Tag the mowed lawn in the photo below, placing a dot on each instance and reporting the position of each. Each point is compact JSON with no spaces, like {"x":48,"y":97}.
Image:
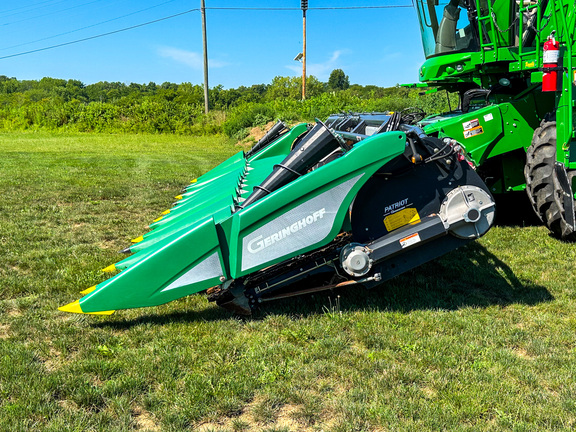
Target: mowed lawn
{"x":482,"y":339}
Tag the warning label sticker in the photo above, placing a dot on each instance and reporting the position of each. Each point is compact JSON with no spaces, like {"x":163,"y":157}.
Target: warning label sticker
{"x":410,"y":240}
{"x":401,"y":218}
{"x":471,"y":124}
{"x":551,"y":56}
{"x":473,"y":132}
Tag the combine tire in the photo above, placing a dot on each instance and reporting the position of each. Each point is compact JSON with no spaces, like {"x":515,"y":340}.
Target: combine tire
{"x":548,"y":189}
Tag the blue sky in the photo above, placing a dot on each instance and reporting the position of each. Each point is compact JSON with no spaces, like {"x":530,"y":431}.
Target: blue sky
{"x":373,"y":46}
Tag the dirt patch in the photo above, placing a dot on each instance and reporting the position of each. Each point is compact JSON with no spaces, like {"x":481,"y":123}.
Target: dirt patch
{"x":429,"y":393}
{"x":4,"y":331}
{"x":522,"y":353}
{"x":14,"y":313}
{"x":68,"y":405}
{"x":112,"y":244}
{"x":144,"y":420}
{"x":53,"y":361}
{"x":255,"y":135}
{"x":96,"y":381}
{"x":19,"y":270}
{"x":258,"y":132}
{"x":285,"y":420}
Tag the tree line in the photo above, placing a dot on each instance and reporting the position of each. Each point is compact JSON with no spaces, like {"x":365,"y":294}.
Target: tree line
{"x":58,"y":104}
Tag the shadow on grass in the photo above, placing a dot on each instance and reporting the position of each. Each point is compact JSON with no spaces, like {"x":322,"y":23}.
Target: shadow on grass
{"x":211,"y":313}
{"x":513,"y":209}
{"x":468,"y":277}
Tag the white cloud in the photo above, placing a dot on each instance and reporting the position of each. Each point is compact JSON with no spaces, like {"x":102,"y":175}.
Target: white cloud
{"x":191,"y":59}
{"x":320,"y":70}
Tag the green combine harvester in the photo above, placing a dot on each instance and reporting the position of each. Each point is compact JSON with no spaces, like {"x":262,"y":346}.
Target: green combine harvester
{"x":364,"y":197}
{"x":512,"y":63}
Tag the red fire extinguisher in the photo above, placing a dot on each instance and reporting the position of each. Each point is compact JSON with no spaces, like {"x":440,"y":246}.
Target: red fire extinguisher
{"x":551,"y":58}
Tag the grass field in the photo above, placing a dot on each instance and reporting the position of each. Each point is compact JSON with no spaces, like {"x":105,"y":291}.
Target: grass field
{"x":483,"y":339}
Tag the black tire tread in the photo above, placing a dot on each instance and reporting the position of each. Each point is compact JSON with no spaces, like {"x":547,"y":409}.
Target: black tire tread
{"x":539,"y":172}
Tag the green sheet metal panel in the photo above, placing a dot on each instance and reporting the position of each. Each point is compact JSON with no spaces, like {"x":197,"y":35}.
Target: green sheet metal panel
{"x":312,"y":207}
{"x":188,"y":264}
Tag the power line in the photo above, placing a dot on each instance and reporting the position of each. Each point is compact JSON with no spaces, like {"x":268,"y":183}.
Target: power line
{"x":50,"y":13}
{"x":310,"y":8}
{"x":86,"y":27}
{"x":29,"y":7}
{"x":180,"y":14}
{"x":99,"y":35}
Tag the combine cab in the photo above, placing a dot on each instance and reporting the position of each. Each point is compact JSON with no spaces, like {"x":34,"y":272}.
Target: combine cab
{"x":357,"y":200}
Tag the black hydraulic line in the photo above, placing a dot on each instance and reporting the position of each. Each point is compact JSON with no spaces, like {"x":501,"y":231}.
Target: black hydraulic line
{"x":413,"y":129}
{"x":288,"y":169}
{"x":416,"y":157}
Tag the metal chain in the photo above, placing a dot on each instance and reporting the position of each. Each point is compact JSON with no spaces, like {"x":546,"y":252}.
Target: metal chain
{"x":498,"y":27}
{"x":545,"y":24}
{"x":516,"y":21}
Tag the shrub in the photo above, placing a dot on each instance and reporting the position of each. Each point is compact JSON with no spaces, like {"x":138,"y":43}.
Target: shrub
{"x":247,"y":115}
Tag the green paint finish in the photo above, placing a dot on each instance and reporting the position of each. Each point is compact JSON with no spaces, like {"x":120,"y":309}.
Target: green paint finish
{"x":478,"y":131}
{"x":219,"y":196}
{"x":226,"y":178}
{"x":154,"y":280}
{"x":363,"y":160}
{"x":259,"y":171}
{"x":184,"y":223}
{"x":133,"y":259}
{"x":227,"y":181}
{"x":219,"y":193}
{"x":194,"y":256}
{"x":218,"y":170}
{"x":512,"y":173}
{"x":449,"y":67}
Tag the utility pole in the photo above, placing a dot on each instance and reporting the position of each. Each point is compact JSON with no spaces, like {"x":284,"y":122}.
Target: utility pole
{"x":205,"y":44}
{"x":304,"y":4}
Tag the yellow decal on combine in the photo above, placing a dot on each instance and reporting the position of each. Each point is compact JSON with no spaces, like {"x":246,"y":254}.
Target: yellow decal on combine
{"x":529,"y":64}
{"x":401,"y":218}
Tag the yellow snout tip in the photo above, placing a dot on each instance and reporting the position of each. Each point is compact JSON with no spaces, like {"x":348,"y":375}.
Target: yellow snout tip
{"x":88,"y":290}
{"x":109,"y":269}
{"x":74,"y":307}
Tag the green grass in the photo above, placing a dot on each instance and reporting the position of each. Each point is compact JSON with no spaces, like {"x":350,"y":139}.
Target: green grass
{"x":482,"y":339}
